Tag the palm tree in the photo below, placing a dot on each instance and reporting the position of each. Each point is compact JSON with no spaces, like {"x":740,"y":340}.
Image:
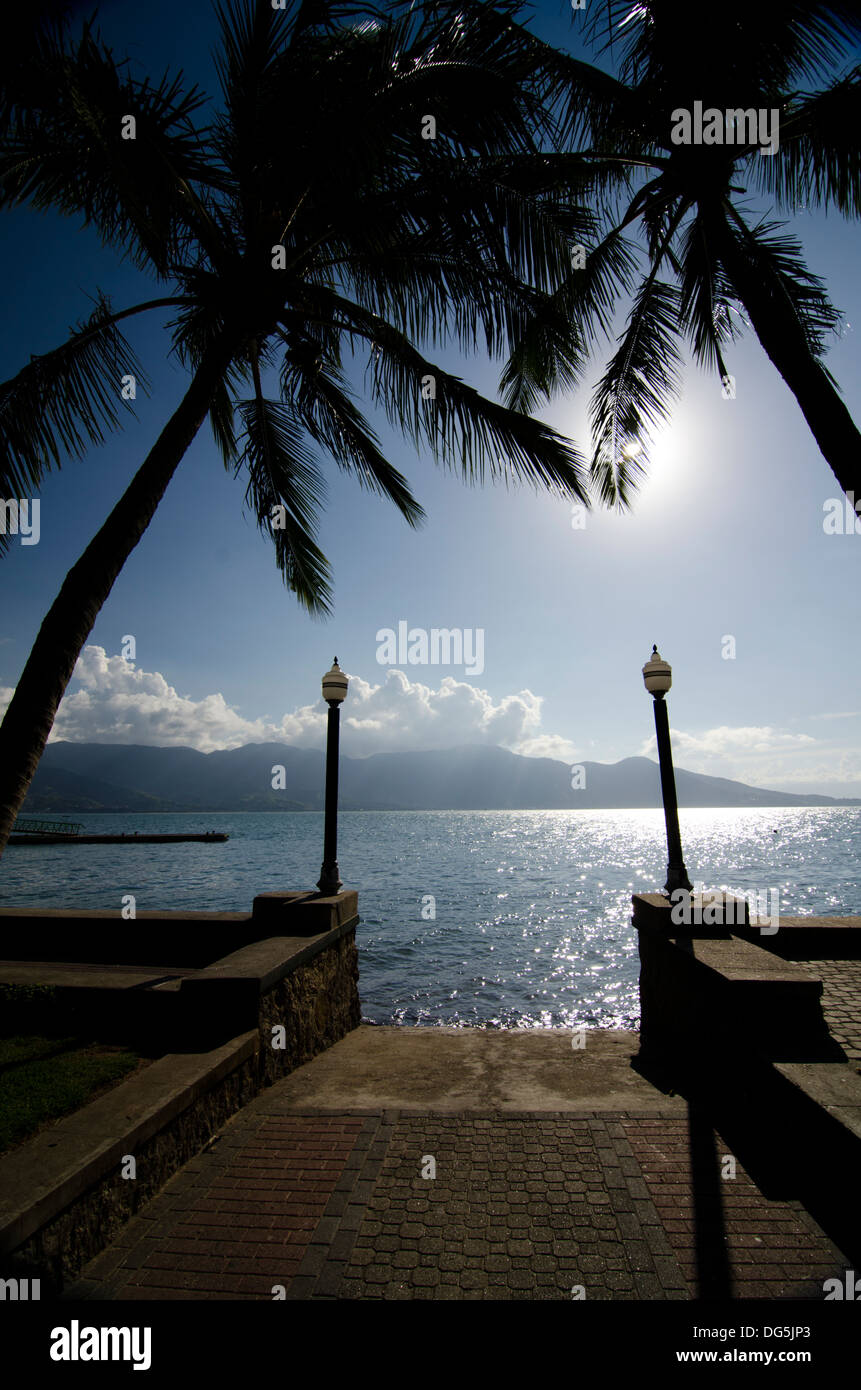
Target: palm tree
{"x":706,"y":262}
{"x":314,"y":219}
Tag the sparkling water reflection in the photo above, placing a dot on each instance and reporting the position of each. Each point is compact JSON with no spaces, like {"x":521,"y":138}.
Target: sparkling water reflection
{"x":532,"y":909}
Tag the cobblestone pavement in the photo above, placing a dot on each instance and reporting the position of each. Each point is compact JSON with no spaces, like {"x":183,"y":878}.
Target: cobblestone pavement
{"x":522,"y":1206}
{"x":841,"y":1001}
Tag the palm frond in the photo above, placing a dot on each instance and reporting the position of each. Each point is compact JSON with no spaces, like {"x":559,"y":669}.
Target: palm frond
{"x":222,"y":411}
{"x":322,"y":402}
{"x":769,"y":45}
{"x":314,"y":17}
{"x":464,"y":429}
{"x":69,"y":153}
{"x":551,"y":353}
{"x":707,"y":296}
{"x":281,"y":473}
{"x":65,"y":400}
{"x":461,"y":427}
{"x":636,"y":391}
{"x":819,"y":156}
{"x":779,"y":264}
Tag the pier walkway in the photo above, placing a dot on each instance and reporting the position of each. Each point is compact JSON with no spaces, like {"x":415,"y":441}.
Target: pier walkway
{"x":465,"y":1164}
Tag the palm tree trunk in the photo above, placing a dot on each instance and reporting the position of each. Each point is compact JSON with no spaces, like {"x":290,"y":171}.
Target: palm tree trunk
{"x":69,"y":622}
{"x":782,"y":335}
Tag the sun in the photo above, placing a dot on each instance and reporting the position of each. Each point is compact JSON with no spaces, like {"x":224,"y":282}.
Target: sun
{"x":669,"y":455}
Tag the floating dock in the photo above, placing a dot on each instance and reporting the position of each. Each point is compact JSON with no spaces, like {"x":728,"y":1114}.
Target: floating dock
{"x":32,"y":838}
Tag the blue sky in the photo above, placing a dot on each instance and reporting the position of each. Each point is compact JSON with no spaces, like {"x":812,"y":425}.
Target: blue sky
{"x":725,"y":540}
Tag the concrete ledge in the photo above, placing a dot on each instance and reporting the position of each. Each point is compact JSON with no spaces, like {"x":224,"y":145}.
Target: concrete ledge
{"x":46,"y":1175}
{"x":233,"y":987}
{"x":712,"y":914}
{"x":274,"y":908}
{"x":305,"y":914}
{"x":183,"y":938}
{"x":193,"y":939}
{"x":703,"y":996}
{"x":245,"y":1021}
{"x":269,"y":960}
{"x":834,"y":1087}
{"x":730,"y":1020}
{"x":65,"y":974}
{"x":810,"y":938}
{"x":163,"y":1006}
{"x":55,"y":999}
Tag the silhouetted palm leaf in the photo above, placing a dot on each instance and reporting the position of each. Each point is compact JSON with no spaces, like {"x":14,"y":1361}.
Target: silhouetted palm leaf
{"x":282,"y":472}
{"x":682,"y":203}
{"x":311,"y":219}
{"x":64,"y":401}
{"x":636,"y":391}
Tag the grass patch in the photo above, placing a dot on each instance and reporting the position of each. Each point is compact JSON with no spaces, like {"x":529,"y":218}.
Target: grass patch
{"x":44,"y":1078}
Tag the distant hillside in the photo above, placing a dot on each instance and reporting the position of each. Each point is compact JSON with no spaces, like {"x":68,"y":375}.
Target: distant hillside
{"x":131,"y":777}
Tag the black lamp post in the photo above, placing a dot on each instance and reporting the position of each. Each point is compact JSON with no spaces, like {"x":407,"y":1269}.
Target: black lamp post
{"x":658,"y":677}
{"x":334,"y":693}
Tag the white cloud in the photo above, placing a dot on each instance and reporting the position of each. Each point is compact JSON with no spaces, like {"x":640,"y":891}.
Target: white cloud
{"x":400,"y":714}
{"x":111,"y":700}
{"x":763,"y":756}
{"x":726,"y":741}
{"x":550,"y":746}
{"x":759,"y":755}
{"x":828,"y":771}
{"x":847,"y":714}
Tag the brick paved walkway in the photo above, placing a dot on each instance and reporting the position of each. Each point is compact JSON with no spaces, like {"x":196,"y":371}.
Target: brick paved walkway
{"x":841,"y":1001}
{"x":523,"y":1206}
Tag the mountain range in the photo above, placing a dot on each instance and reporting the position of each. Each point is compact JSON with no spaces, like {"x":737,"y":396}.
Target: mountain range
{"x":79,"y":777}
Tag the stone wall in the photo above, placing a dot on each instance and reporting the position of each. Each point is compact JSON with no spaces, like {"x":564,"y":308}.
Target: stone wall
{"x":60,"y":1249}
{"x":317,"y":1005}
{"x":740,"y":1029}
{"x":52,"y":1221}
{"x":709,"y":998}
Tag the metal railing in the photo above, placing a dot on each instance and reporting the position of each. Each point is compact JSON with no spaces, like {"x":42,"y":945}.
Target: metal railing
{"x":47,"y":827}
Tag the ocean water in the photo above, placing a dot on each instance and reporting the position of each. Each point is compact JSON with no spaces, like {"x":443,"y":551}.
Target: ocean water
{"x":488,"y":918}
